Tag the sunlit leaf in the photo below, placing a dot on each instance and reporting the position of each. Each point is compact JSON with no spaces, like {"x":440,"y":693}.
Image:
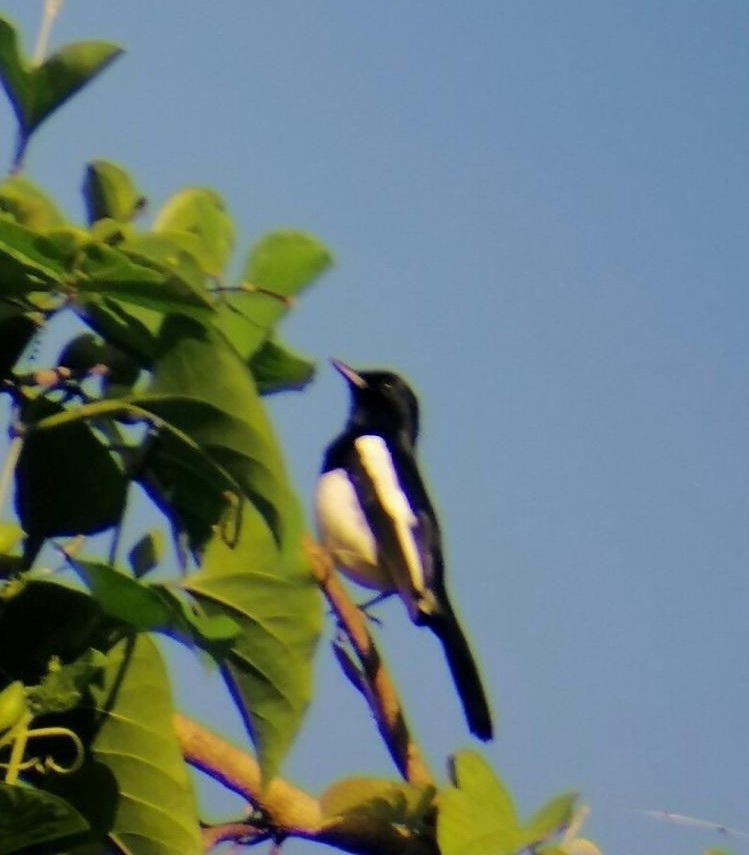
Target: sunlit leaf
{"x":36,"y":91}
{"x":549,"y":819}
{"x":28,"y":261}
{"x":12,"y":705}
{"x":156,"y":810}
{"x":102,"y":269}
{"x":200,"y":215}
{"x":279,"y":613}
{"x":476,"y":816}
{"x":28,"y":205}
{"x":387,"y":801}
{"x":124,"y":598}
{"x":276,"y":270}
{"x":109,"y":192}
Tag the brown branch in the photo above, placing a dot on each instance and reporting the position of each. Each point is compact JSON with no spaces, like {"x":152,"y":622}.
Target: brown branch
{"x":285,"y":808}
{"x":284,"y":805}
{"x":378,"y":688}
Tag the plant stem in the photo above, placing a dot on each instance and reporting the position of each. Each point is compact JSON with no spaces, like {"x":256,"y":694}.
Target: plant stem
{"x":51,"y":8}
{"x":9,"y":467}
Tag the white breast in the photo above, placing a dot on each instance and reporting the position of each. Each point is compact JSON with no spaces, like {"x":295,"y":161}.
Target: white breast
{"x":344,"y":530}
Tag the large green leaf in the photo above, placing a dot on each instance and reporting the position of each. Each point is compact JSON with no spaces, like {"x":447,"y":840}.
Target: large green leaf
{"x":221,"y":411}
{"x":181,"y":254}
{"x":109,"y":192}
{"x":156,"y":811}
{"x":102,"y":269}
{"x":359,"y":799}
{"x":131,"y":328}
{"x":276,"y":270}
{"x":551,"y":818}
{"x":197,"y":217}
{"x":276,"y":368}
{"x":28,"y":261}
{"x":149,"y":607}
{"x":124,"y":598}
{"x":279,"y":612}
{"x":476,"y":816}
{"x":29,"y":817}
{"x":67,"y":482}
{"x":285,"y":262}
{"x":36,"y":91}
{"x":28,"y":205}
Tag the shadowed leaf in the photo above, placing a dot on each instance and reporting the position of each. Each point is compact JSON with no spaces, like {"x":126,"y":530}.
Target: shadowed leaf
{"x":29,"y":817}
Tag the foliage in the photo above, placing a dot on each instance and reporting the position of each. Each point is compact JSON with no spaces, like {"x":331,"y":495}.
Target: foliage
{"x":159,"y":392}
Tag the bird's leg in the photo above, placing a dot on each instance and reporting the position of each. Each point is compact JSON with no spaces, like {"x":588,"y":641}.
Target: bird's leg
{"x":367,"y":605}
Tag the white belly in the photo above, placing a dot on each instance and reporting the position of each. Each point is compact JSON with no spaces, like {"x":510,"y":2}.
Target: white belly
{"x":343,"y":529}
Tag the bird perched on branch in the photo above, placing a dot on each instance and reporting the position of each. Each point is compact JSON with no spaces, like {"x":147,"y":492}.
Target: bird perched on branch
{"x":375,"y":517}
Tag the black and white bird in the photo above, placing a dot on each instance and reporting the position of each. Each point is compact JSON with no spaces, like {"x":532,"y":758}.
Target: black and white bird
{"x":375,"y":517}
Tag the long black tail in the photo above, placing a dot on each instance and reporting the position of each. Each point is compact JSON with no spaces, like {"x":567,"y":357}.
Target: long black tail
{"x":465,"y":672}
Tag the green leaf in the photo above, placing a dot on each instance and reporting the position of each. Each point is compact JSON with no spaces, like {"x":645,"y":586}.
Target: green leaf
{"x":10,"y":536}
{"x":102,"y":269}
{"x":179,"y":256}
{"x":211,"y":632}
{"x":551,"y":818}
{"x":219,"y":408}
{"x":285,"y":262}
{"x":277,"y":268}
{"x":16,"y":332}
{"x":132,"y":329}
{"x":199,"y":215}
{"x":29,"y":817}
{"x":109,"y":192}
{"x":28,"y":261}
{"x":279,"y":611}
{"x":156,"y":811}
{"x":28,"y":205}
{"x":388,"y":801}
{"x":42,"y":621}
{"x":124,"y":598}
{"x":37,"y":91}
{"x":278,"y":369}
{"x":146,"y":553}
{"x":67,"y":482}
{"x":476,"y":816}
{"x":62,"y":688}
{"x":12,"y":705}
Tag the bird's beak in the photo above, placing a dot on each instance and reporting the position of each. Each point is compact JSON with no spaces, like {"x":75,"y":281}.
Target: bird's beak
{"x":348,"y":373}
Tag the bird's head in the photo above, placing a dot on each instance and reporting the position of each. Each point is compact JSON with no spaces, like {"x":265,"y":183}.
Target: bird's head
{"x":381,"y":401}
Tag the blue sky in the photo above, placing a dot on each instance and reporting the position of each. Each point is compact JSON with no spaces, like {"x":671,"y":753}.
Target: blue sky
{"x":539,"y":215}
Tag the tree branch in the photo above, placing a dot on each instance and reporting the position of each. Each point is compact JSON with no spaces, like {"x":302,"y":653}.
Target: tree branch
{"x":378,"y":688}
{"x":286,"y":809}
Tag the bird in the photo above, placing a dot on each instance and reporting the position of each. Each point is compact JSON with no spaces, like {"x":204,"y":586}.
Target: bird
{"x":375,"y":518}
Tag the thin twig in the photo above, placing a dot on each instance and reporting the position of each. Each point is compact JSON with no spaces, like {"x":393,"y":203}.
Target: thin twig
{"x":9,"y":467}
{"x":381,"y":695}
{"x":705,"y":824}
